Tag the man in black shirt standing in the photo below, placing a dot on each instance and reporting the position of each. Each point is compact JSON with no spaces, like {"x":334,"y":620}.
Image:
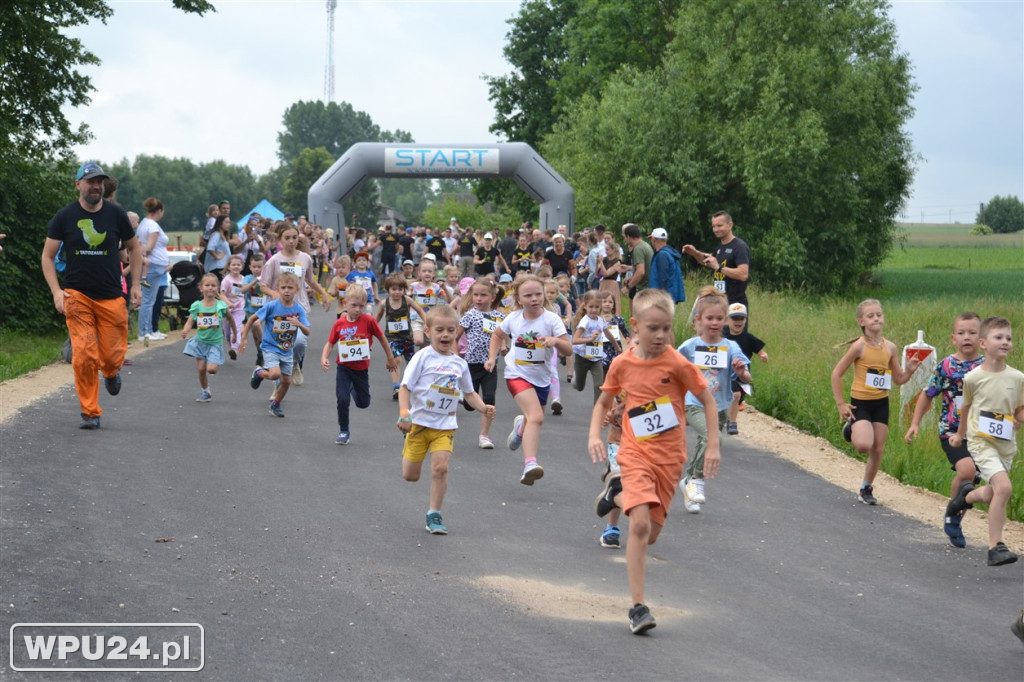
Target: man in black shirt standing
{"x":730,"y":261}
{"x":467,"y":248}
{"x":436,"y":246}
{"x":388,"y":251}
{"x":92,"y":232}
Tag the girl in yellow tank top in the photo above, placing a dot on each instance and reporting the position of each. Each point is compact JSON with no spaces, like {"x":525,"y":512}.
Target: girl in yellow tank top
{"x":876,"y":369}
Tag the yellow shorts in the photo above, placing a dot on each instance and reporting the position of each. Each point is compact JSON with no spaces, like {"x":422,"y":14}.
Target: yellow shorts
{"x":989,"y":457}
{"x":423,"y":439}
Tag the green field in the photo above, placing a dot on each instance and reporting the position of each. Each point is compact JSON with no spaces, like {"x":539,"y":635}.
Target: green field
{"x":942,"y":235}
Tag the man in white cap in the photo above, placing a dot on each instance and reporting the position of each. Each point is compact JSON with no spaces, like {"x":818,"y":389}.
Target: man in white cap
{"x":665,"y":270}
{"x":92,"y":232}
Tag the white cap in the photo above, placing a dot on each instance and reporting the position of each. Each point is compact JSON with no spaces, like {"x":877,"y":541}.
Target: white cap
{"x":488,"y":236}
{"x":407,"y":262}
{"x":659,"y":233}
{"x":558,"y":235}
{"x":737,"y":310}
{"x":430,"y":256}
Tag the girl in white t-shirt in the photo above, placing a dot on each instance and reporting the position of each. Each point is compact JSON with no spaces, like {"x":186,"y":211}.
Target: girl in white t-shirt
{"x":590,"y":332}
{"x":232,"y":294}
{"x":426,"y":293}
{"x":533,"y":334}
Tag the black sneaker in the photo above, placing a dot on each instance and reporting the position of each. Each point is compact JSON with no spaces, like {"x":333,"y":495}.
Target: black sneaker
{"x":866,"y":495}
{"x":1018,"y":626}
{"x":89,"y":423}
{"x":256,"y":379}
{"x":958,"y":503}
{"x":1000,"y":555}
{"x":848,"y":430}
{"x":113,"y":384}
{"x":606,"y":500}
{"x":610,"y":537}
{"x":951,"y":526}
{"x":640,"y":619}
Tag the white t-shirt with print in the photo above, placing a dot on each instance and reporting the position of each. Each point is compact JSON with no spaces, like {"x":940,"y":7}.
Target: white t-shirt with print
{"x":436,"y":383}
{"x":526,"y":358}
{"x":591,"y":351}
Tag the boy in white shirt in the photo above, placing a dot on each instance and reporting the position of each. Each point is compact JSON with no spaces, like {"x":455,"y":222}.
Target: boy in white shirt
{"x":435,"y":380}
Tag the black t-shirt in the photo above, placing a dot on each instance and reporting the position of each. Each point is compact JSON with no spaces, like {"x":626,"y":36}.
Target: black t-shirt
{"x":559,"y":263}
{"x":748,"y":343}
{"x":91,"y":244}
{"x":389,"y":244}
{"x":435,"y":245}
{"x":731,"y":255}
{"x":525,"y":255}
{"x":466,"y":245}
{"x":507,"y":247}
{"x":490,"y":256}
{"x":406,"y":242}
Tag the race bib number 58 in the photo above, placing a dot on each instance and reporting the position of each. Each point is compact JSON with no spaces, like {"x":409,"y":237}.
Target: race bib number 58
{"x":995,"y":425}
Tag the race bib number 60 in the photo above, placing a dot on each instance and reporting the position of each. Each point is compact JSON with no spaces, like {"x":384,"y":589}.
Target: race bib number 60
{"x":878,"y":378}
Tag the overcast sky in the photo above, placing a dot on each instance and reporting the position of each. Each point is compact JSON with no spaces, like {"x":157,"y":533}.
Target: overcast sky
{"x":216,"y":87}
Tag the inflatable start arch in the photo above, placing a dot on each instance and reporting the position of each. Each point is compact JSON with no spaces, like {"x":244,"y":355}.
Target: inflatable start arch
{"x":516,"y":160}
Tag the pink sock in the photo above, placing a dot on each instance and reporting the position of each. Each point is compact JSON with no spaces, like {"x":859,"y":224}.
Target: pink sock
{"x":530,"y":460}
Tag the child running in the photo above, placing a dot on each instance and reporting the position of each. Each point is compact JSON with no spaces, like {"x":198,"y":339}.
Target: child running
{"x":282,"y":319}
{"x":231,"y":288}
{"x":616,"y":326}
{"x":750,"y":345}
{"x":255,"y":298}
{"x":207,"y":346}
{"x":559,"y":304}
{"x":363,"y":276}
{"x":534,"y":332}
{"x":434,"y":383}
{"x":352,"y":334}
{"x":395,"y":312}
{"x":612,"y":533}
{"x":655,"y":380}
{"x":948,"y":380}
{"x":480,"y":317}
{"x":336,"y":287}
{"x":427,"y":294}
{"x":994,"y":409}
{"x":721,"y":361}
{"x":590,"y":333}
{"x":876,"y":368}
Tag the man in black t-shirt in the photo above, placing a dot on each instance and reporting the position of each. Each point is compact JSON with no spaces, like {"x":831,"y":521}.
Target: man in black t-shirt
{"x":467,"y":247}
{"x":435,"y":245}
{"x":388,"y":251}
{"x":559,"y":258}
{"x":487,"y":257}
{"x":730,"y":261}
{"x":405,"y":243}
{"x":92,"y":232}
{"x":507,"y":245}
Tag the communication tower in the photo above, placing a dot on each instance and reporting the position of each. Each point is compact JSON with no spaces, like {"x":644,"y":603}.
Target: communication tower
{"x":329,"y":67}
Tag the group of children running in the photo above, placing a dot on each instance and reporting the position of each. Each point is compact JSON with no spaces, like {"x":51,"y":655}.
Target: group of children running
{"x":451,"y":333}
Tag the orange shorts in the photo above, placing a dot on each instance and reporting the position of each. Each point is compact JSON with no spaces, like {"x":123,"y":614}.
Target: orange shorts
{"x":644,"y":482}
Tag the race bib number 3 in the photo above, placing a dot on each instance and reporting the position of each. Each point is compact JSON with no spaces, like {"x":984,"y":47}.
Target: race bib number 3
{"x":529,"y":353}
{"x":653,"y":419}
{"x":711,"y":357}
{"x":995,"y":425}
{"x":354,"y":350}
{"x":878,"y":378}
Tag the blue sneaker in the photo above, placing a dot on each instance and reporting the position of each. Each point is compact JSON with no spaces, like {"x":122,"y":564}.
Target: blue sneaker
{"x":89,"y":423}
{"x":256,"y":379}
{"x":531,"y":472}
{"x":515,"y":437}
{"x":275,"y":409}
{"x":113,"y":384}
{"x":610,"y":537}
{"x":204,"y":396}
{"x":434,"y":524}
{"x":954,"y":531}
{"x":342,"y":438}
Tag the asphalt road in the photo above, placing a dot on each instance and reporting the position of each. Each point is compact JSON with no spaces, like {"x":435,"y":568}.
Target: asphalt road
{"x":306,"y":560}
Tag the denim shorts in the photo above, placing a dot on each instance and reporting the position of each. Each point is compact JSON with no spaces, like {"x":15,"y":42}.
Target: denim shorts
{"x":213,"y":354}
{"x":275,"y":359}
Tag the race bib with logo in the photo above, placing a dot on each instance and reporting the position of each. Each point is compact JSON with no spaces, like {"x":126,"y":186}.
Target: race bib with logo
{"x":294,"y":268}
{"x":653,"y":419}
{"x":995,"y":425}
{"x":880,"y":379}
{"x":207,"y":321}
{"x":593,"y":351}
{"x":354,"y":350}
{"x":529,"y":352}
{"x":489,"y":325}
{"x":399,"y":325}
{"x":442,"y":399}
{"x":257,"y":301}
{"x":711,"y":357}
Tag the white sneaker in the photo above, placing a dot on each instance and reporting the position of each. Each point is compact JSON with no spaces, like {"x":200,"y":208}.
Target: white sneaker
{"x":296,"y":375}
{"x":157,"y":336}
{"x":690,"y":505}
{"x":692,"y":491}
{"x":698,"y":497}
{"x":485,"y":443}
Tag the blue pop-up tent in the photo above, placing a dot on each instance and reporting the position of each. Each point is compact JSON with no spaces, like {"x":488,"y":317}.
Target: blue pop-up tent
{"x":265,"y":209}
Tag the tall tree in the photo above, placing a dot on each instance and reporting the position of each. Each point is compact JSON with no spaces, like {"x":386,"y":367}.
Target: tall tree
{"x":792,"y":118}
{"x":1003,"y":214}
{"x":333,"y":126}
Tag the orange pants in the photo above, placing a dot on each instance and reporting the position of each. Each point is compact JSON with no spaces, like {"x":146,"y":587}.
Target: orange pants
{"x":99,"y":340}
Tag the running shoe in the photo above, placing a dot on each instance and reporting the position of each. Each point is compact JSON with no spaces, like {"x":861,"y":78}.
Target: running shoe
{"x":343,"y":438}
{"x":640,"y":619}
{"x":605,"y":501}
{"x":296,"y":375}
{"x":275,"y":409}
{"x":848,"y":430}
{"x":1018,"y":626}
{"x":204,"y":396}
{"x":867,"y":495}
{"x":952,"y":528}
{"x":113,"y":384}
{"x":610,"y":537}
{"x":1000,"y":555}
{"x":157,"y":336}
{"x":394,"y":392}
{"x":434,"y":525}
{"x":232,"y":354}
{"x":531,"y":472}
{"x":958,"y":503}
{"x":732,"y":429}
{"x":485,"y":443}
{"x":556,"y":407}
{"x":89,"y":423}
{"x":515,"y":436}
{"x":688,"y":504}
{"x":256,"y":379}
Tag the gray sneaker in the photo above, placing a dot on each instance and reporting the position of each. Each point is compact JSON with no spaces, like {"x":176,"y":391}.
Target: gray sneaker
{"x":275,"y":409}
{"x":640,"y":619}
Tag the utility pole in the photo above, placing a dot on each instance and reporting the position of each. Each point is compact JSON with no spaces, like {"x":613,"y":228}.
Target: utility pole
{"x":329,"y":66}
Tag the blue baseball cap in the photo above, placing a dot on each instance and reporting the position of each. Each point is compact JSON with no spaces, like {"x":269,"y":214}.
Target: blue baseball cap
{"x":88,"y":171}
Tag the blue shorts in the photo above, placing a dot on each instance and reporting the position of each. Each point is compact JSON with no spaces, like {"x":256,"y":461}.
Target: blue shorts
{"x":403,"y":348}
{"x":275,"y":359}
{"x":213,"y":354}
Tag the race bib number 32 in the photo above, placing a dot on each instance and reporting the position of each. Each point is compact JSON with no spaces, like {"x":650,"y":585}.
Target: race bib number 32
{"x":653,"y":419}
